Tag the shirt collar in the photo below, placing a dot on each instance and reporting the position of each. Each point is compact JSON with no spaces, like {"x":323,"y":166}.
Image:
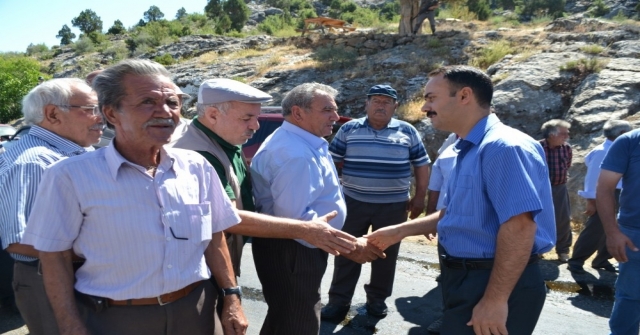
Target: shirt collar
{"x":607,"y":143}
{"x":66,"y":146}
{"x":115,"y":160}
{"x":478,"y":131}
{"x":393,"y":123}
{"x":313,"y":140}
{"x":214,"y":137}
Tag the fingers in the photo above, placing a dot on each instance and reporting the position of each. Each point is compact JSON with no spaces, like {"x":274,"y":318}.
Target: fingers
{"x":631,"y":246}
{"x":329,"y":216}
{"x":376,"y":251}
{"x":345,"y":237}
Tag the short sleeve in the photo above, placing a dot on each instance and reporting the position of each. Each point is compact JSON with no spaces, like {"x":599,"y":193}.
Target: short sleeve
{"x":338,"y":146}
{"x":617,"y":158}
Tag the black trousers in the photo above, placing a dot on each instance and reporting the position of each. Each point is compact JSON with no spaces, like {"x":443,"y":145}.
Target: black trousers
{"x":562,"y":208}
{"x":290,"y":274}
{"x":361,"y":216}
{"x":463,"y":288}
{"x":192,"y":314}
{"x":592,"y":239}
{"x":6,"y":276}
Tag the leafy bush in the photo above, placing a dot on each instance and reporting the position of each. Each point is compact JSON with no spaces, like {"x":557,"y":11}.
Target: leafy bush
{"x":335,"y":58}
{"x":83,"y":46}
{"x":165,"y":59}
{"x":274,"y":23}
{"x":480,"y":8}
{"x":116,"y":52}
{"x":584,"y":65}
{"x":389,"y":11}
{"x":553,"y":8}
{"x":592,"y":49}
{"x":18,"y":75}
{"x":492,"y":53}
{"x":599,"y":8}
{"x":34,"y":49}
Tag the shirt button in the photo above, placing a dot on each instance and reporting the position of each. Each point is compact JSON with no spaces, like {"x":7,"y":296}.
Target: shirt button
{"x":169,"y":266}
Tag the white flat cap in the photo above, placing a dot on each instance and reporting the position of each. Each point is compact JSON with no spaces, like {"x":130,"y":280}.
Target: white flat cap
{"x":219,"y":90}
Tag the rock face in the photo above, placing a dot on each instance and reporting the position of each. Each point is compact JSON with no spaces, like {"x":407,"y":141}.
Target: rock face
{"x":530,"y":88}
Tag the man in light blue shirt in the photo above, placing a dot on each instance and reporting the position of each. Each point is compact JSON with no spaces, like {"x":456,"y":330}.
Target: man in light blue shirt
{"x":592,"y":237}
{"x":293,"y":176}
{"x":63,"y":122}
{"x":498,"y":214}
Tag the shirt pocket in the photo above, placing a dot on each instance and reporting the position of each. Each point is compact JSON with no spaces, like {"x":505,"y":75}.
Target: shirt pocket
{"x":199,"y":218}
{"x":462,"y":201}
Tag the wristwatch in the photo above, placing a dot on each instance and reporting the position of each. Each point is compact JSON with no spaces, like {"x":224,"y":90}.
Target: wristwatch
{"x":232,"y":290}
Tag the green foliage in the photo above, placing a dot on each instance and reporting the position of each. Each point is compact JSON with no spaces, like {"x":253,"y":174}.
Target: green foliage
{"x":153,"y":14}
{"x":389,"y":11}
{"x":553,"y":8}
{"x":181,"y":13}
{"x":620,"y":17}
{"x":116,"y":52}
{"x":335,"y":58}
{"x":83,"y":46}
{"x":229,"y":14}
{"x":222,"y":23}
{"x":592,"y":49}
{"x":96,"y":37}
{"x":34,"y":49}
{"x":492,"y":53}
{"x":88,"y":21}
{"x":363,"y":17}
{"x":165,"y":59}
{"x":65,"y":35}
{"x":117,"y":28}
{"x":507,"y":4}
{"x":457,"y":11}
{"x":273,"y":23}
{"x":584,"y":65}
{"x":291,"y":6}
{"x":599,"y":8}
{"x":480,"y":8}
{"x":18,"y":75}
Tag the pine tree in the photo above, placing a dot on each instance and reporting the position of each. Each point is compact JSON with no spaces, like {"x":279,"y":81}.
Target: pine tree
{"x":117,"y":28}
{"x":65,"y":35}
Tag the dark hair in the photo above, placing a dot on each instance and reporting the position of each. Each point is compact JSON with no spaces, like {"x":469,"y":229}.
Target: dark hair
{"x":460,"y":76}
{"x":614,"y":128}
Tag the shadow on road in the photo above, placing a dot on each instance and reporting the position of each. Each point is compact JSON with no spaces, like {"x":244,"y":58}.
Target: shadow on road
{"x":357,"y":322}
{"x":9,"y":321}
{"x":421,"y":311}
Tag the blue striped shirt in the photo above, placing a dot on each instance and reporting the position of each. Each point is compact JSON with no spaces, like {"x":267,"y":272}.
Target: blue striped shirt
{"x":377,"y":163}
{"x":500,"y":172}
{"x":21,"y":169}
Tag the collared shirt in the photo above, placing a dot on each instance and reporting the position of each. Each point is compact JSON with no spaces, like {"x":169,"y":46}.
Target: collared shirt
{"x":558,"y":161}
{"x":440,"y":172}
{"x":293,"y":176}
{"x":234,"y":153}
{"x":377,"y":163}
{"x":21,"y":169}
{"x":624,"y":157}
{"x":499,"y":173}
{"x":141,"y":236}
{"x":592,"y":161}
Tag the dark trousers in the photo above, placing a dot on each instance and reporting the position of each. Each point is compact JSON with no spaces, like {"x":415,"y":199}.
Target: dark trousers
{"x":592,"y":239}
{"x":32,"y":300}
{"x":193,"y":314}
{"x":463,"y":288}
{"x":431,"y":15}
{"x":290,"y":274}
{"x":562,"y":210}
{"x":6,"y":277}
{"x":361,"y":216}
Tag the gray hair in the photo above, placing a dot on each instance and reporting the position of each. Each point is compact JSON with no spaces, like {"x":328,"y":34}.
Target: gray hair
{"x":302,"y":96}
{"x":223,"y":107}
{"x":51,"y":92}
{"x":109,"y":83}
{"x":614,"y":128}
{"x":551,"y":127}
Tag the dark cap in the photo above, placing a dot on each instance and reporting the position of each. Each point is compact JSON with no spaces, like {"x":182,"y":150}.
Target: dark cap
{"x":383,"y":90}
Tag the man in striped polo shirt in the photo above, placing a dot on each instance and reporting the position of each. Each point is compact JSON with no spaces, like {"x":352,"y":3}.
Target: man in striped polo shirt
{"x":377,"y":152}
{"x":64,"y":123}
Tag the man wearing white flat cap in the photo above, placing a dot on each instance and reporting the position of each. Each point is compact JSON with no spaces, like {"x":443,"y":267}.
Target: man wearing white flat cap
{"x":227,"y":118}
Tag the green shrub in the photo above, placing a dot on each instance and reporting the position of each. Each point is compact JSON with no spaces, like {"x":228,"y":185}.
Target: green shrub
{"x":117,"y":52}
{"x":18,"y":75}
{"x":592,"y":49}
{"x":389,"y":11}
{"x":274,"y":23}
{"x":492,"y":53}
{"x":362,"y":17}
{"x":582,"y":65}
{"x":335,"y":58}
{"x":599,"y":8}
{"x":553,"y":8}
{"x":165,"y":59}
{"x":34,"y":49}
{"x":480,"y":8}
{"x":83,"y":45}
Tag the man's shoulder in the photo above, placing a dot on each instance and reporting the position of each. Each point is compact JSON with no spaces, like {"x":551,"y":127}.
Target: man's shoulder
{"x":185,"y":155}
{"x":505,"y":137}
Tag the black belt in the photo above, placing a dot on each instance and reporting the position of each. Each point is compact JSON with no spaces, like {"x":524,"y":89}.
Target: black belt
{"x":29,"y":263}
{"x":477,"y":263}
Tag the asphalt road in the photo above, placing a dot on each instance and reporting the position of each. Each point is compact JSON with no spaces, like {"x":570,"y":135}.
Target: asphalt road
{"x":416,"y":299}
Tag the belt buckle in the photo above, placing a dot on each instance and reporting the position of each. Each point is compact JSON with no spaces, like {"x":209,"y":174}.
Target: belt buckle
{"x":160,"y":302}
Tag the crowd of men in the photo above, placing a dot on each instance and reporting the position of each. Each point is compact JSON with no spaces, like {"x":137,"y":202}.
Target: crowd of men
{"x":145,"y":236}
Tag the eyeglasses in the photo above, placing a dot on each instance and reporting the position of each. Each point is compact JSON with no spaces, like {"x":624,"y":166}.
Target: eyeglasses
{"x":93,"y":109}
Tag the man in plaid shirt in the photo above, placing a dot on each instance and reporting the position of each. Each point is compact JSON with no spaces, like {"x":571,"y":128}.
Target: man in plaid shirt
{"x":558,"y":153}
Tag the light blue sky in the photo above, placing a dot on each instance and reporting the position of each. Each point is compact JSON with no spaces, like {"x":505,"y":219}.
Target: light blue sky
{"x":38,"y":21}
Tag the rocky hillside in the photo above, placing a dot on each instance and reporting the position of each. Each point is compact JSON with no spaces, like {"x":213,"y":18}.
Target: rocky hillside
{"x":579,"y":69}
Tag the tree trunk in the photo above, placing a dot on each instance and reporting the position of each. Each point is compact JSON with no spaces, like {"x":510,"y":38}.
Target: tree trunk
{"x":408,"y":12}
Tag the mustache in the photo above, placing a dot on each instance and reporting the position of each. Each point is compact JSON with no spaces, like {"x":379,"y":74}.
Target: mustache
{"x":159,"y":122}
{"x":249,"y":133}
{"x":100,"y":126}
{"x":431,"y":113}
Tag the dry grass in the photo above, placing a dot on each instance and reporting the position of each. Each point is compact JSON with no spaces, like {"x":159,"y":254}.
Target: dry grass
{"x":246,"y":53}
{"x":499,"y":77}
{"x":269,"y":64}
{"x":411,"y":111}
{"x":592,"y":49}
{"x":210,"y":57}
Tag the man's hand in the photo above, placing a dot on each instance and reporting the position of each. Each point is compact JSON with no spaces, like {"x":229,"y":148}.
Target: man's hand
{"x":415,"y":206}
{"x":617,"y":243}
{"x":323,"y":236}
{"x":365,"y":252}
{"x":591,"y":207}
{"x":233,"y":320}
{"x":384,"y":237}
{"x":489,"y":317}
